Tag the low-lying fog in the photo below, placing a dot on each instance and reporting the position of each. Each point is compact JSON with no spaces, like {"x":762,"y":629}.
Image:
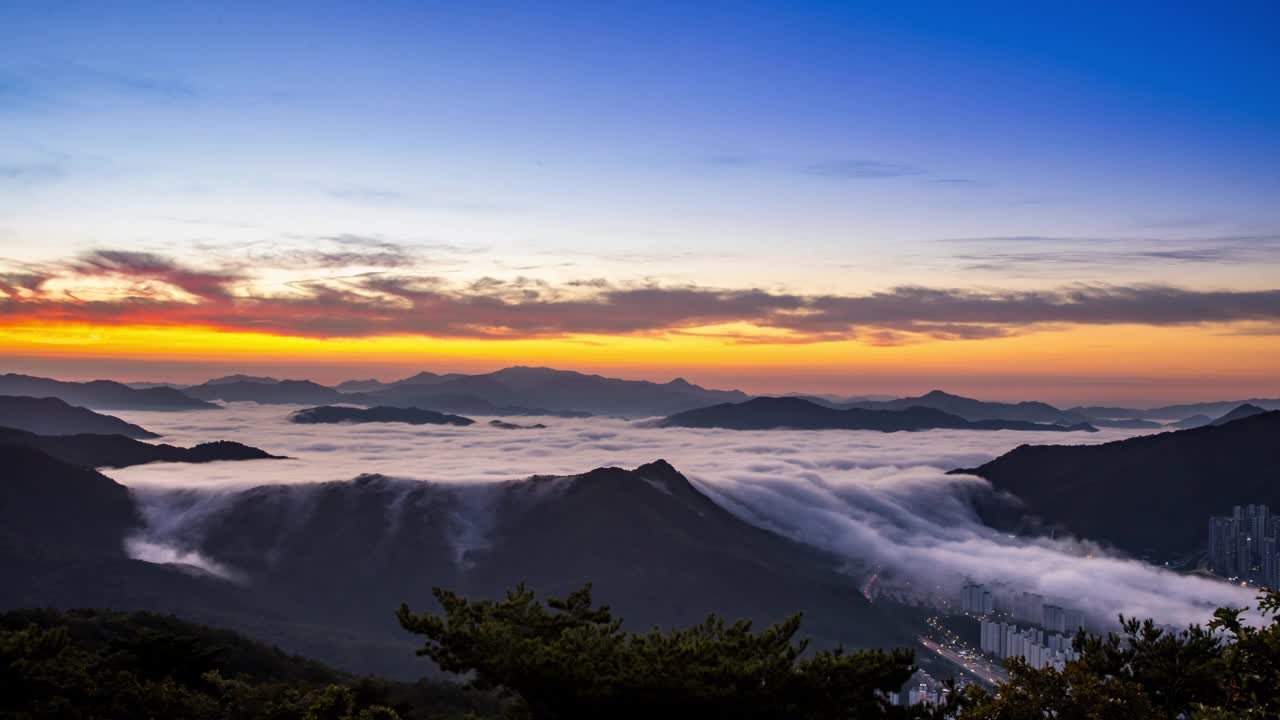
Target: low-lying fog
{"x":876,"y":497}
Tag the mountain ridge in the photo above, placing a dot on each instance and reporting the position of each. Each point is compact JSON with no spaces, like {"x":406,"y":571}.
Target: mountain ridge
{"x":54,"y":416}
{"x":770,"y":413}
{"x":1177,"y":479}
{"x":101,"y":394}
{"x":117,"y":451}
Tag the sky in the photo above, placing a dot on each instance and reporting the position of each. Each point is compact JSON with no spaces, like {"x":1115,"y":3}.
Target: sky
{"x":1075,"y":205}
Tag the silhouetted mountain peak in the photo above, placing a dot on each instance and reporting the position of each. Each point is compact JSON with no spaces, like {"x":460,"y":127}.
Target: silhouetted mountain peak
{"x":52,"y":416}
{"x":659,"y":466}
{"x":111,"y":450}
{"x":1177,"y":478}
{"x":768,"y":413}
{"x":343,"y":414}
{"x":419,"y":378}
{"x":238,"y":378}
{"x":303,"y":392}
{"x":1244,"y":411}
{"x":101,"y":394}
{"x":525,"y":390}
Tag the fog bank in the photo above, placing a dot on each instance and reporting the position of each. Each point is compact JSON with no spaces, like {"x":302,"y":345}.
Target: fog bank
{"x":876,"y":498}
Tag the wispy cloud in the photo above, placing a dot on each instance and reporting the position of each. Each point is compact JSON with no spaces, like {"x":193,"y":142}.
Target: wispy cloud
{"x":832,"y":168}
{"x":27,"y":173}
{"x":152,"y":289}
{"x":57,"y":82}
{"x":367,"y":195}
{"x":861,"y":169}
{"x":384,"y":197}
{"x":1037,"y":253}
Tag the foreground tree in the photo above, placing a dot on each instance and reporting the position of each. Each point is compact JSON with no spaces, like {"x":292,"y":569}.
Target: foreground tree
{"x":571,"y":659}
{"x":45,"y":673}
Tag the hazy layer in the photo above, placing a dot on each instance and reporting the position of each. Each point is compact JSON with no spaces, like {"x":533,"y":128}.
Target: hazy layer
{"x":876,"y":497}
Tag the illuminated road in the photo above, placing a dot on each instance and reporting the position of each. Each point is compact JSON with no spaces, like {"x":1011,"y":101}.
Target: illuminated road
{"x":972,"y":663}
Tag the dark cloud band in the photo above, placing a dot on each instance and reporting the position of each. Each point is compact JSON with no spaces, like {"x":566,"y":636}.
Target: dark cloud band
{"x":383,"y":303}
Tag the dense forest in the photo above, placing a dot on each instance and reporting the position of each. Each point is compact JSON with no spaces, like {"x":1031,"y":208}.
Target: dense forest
{"x":569,"y":658}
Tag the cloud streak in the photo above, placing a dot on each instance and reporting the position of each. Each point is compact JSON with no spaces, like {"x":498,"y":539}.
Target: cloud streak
{"x":861,"y":170}
{"x":151,"y":289}
{"x":1047,"y":254}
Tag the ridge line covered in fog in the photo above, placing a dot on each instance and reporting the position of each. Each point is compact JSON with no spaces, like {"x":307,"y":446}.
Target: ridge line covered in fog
{"x":868,"y":497}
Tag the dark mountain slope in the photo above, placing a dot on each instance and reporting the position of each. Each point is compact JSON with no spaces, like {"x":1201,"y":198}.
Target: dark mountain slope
{"x":971,"y":409}
{"x":1239,"y":413}
{"x":427,"y":398}
{"x":1177,"y":412}
{"x":656,"y":549}
{"x":360,"y":386}
{"x":49,"y":504}
{"x":662,"y":553}
{"x":1149,"y":495}
{"x":347,"y":551}
{"x":380,"y":414}
{"x":101,"y":394}
{"x":89,"y":450}
{"x":319,"y":568}
{"x":62,"y":545}
{"x":51,"y":416}
{"x":768,"y":413}
{"x":567,"y":390}
{"x":238,"y":378}
{"x":530,"y":390}
{"x":286,"y":392}
{"x":1194,"y":421}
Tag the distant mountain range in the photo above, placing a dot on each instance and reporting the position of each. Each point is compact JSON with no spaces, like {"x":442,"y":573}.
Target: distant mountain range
{"x":101,"y":394}
{"x":117,"y":451}
{"x":970,"y":409}
{"x":769,"y":413}
{"x":1177,"y":412}
{"x":1239,"y":413}
{"x":319,"y":568}
{"x":501,"y":425}
{"x":411,"y":416}
{"x":512,"y":391}
{"x":1194,"y":421}
{"x":1150,"y":495}
{"x":517,"y":391}
{"x":266,"y":391}
{"x":558,"y":391}
{"x":51,"y":416}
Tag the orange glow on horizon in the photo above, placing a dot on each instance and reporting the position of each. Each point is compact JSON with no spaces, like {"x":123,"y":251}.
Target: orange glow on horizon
{"x":1079,"y":351}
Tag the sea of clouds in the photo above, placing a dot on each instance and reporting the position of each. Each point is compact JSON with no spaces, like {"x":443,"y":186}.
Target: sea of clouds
{"x":880,"y":499}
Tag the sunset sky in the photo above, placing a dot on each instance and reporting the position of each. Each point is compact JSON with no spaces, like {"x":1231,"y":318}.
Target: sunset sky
{"x":1081,"y":206}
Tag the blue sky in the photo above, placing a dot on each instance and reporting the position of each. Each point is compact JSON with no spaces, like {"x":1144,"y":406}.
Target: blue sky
{"x":717,"y":130}
{"x":803,"y":149}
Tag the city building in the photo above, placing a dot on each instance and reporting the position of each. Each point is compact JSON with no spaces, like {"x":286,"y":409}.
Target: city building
{"x":1005,"y":640}
{"x":977,"y":600}
{"x":921,"y":689}
{"x":1244,"y":545}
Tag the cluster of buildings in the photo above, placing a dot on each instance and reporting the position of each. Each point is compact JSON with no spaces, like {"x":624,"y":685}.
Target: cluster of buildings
{"x":1045,"y":641}
{"x":923,"y":689}
{"x":1246,"y":545}
{"x":1033,"y":645}
{"x":981,"y":601}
